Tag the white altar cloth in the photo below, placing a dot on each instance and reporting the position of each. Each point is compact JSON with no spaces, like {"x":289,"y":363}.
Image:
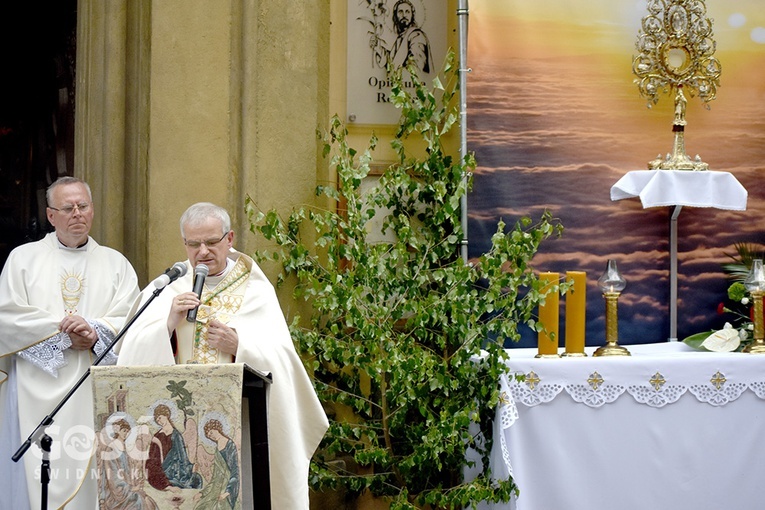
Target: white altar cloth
{"x":667,"y":428}
{"x":657,"y":188}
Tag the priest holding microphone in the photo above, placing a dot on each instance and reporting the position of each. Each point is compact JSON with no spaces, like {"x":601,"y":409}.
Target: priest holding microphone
{"x":225,"y":310}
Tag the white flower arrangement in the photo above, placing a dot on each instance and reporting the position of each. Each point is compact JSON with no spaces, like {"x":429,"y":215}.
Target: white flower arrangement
{"x":727,"y":339}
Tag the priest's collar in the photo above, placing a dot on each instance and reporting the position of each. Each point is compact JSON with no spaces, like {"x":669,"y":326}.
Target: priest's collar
{"x":81,"y":247}
{"x":215,"y":279}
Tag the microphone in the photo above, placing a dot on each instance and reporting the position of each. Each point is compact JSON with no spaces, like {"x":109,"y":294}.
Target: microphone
{"x":170,"y":275}
{"x":200,"y":273}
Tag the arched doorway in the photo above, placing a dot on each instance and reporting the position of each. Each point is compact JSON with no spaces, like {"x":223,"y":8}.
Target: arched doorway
{"x":37,"y":103}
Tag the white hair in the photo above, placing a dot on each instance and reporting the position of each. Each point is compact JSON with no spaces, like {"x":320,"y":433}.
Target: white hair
{"x":201,"y":212}
{"x":61,"y":181}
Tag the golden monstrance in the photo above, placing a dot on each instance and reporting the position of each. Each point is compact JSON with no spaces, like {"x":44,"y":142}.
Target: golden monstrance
{"x":676,"y":56}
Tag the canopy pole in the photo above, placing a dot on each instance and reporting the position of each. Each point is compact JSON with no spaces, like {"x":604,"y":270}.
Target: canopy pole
{"x":673,"y":273}
{"x":462,"y":17}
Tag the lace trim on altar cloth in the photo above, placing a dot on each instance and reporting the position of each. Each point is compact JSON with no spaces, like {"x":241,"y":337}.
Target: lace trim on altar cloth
{"x":758,"y":388}
{"x":507,"y":414}
{"x":531,"y":393}
{"x":716,"y":391}
{"x":719,"y":397}
{"x":48,"y":355}
{"x":646,"y":394}
{"x":585,"y":394}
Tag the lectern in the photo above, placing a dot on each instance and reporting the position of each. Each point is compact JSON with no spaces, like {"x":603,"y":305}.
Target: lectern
{"x":182,"y":435}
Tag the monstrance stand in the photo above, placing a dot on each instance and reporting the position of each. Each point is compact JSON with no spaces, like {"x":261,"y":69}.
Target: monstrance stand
{"x":676,"y":56}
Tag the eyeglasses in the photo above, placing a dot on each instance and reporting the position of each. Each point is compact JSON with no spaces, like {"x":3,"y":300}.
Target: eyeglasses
{"x":209,"y":243}
{"x":69,"y":209}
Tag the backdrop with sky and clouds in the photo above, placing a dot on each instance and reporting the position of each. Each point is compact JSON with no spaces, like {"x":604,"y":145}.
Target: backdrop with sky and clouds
{"x":555,"y":119}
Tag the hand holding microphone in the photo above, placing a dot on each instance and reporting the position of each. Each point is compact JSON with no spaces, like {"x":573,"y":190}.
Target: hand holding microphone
{"x":200,"y":273}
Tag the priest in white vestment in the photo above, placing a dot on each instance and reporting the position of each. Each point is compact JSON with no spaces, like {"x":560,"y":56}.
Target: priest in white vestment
{"x":238,"y":319}
{"x":63,"y":299}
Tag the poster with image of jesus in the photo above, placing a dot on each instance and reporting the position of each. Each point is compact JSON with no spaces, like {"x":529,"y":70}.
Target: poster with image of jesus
{"x":390,"y":31}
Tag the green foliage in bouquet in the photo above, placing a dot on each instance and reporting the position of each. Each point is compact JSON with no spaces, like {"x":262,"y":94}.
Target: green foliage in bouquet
{"x":738,"y":306}
{"x":405,"y":341}
{"x":741,"y":262}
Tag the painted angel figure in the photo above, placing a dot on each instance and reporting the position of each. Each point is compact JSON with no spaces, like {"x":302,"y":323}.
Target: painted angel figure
{"x":222,"y":489}
{"x":121,"y":486}
{"x":168,"y":465}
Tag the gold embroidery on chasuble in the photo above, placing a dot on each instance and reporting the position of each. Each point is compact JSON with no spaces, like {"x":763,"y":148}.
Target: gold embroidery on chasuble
{"x":220,"y":303}
{"x":72,"y":286}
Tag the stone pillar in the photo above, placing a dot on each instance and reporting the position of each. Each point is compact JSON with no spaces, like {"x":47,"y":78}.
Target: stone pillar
{"x":180,"y":101}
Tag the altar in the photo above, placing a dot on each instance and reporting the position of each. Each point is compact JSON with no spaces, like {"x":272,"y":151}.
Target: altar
{"x":666,"y":428}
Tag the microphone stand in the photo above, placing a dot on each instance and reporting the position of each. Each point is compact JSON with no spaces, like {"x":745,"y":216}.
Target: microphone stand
{"x":39,"y":436}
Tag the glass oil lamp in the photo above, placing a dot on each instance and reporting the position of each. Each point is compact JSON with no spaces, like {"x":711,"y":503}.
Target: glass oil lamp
{"x":611,"y":284}
{"x":755,"y":284}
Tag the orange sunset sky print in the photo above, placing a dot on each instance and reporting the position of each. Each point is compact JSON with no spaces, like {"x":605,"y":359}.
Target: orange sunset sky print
{"x":555,"y":119}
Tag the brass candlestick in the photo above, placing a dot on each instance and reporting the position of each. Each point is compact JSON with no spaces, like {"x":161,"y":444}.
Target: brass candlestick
{"x":612,"y":283}
{"x":755,"y":284}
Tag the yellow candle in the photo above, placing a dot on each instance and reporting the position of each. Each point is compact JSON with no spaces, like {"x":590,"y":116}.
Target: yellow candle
{"x":548,"y":316}
{"x":576,"y":306}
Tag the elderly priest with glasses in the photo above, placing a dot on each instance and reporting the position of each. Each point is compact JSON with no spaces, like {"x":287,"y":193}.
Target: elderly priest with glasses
{"x":238,"y":320}
{"x":62,"y":301}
